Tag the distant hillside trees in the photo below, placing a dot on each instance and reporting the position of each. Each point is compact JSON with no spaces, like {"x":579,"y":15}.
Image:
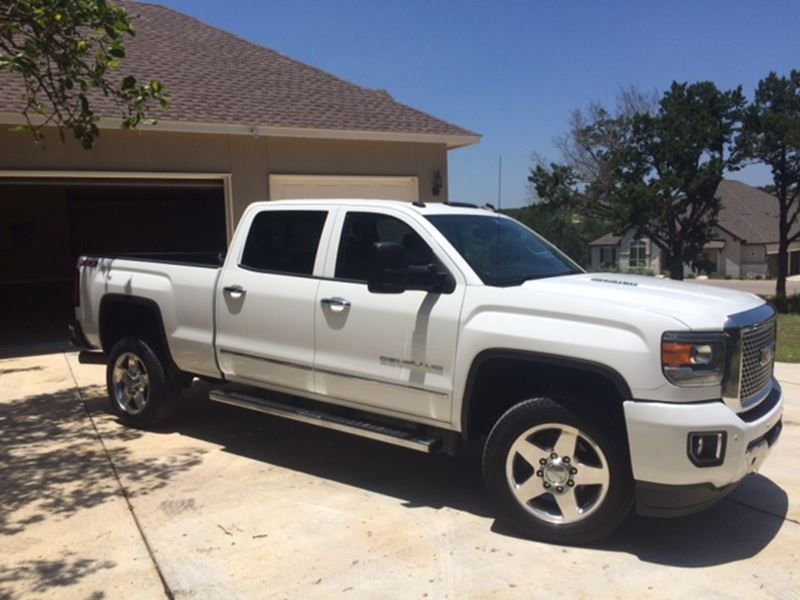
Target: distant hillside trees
{"x":651,"y":165}
{"x":771,"y":134}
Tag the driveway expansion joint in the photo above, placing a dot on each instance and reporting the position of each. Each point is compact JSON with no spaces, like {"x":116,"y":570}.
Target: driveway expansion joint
{"x":763,"y":511}
{"x":167,"y":591}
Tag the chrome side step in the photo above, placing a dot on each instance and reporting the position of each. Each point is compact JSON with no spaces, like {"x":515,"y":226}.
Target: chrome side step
{"x":362,"y":428}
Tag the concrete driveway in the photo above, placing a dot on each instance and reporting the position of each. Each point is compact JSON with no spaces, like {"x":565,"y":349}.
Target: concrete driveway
{"x":762,"y":287}
{"x":230,"y":504}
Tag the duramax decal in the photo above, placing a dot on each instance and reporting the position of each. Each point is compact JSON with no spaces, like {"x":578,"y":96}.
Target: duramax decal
{"x":411,"y":364}
{"x":617,"y":281}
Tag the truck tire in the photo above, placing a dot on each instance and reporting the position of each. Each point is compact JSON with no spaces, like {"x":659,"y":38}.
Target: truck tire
{"x":556,"y":474}
{"x":143,"y":390}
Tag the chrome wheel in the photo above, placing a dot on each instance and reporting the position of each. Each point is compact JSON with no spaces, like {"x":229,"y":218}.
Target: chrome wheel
{"x":131,"y":383}
{"x":557,"y":473}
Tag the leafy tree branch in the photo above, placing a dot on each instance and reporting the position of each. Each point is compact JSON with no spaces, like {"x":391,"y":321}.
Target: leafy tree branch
{"x":65,"y":51}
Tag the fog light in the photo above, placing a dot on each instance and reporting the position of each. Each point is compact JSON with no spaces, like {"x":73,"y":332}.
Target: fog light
{"x":707,"y":448}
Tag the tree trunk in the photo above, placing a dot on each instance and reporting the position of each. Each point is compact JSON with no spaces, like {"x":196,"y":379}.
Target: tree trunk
{"x":675,"y":265}
{"x":783,"y":253}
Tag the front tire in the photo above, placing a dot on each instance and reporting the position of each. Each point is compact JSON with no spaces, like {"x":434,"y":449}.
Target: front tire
{"x":556,"y":474}
{"x":141,"y":388}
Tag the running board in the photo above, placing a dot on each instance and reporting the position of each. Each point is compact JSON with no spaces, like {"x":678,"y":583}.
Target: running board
{"x":367,"y":429}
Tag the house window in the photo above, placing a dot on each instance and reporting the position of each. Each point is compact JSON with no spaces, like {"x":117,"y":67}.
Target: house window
{"x":608,"y":256}
{"x":637,"y":258}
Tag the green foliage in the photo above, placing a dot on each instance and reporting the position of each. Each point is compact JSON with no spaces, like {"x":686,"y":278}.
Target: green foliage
{"x":658,"y":170}
{"x":785,"y":304}
{"x":788,"y":344}
{"x":560,"y":226}
{"x":771,"y":134}
{"x":65,"y":50}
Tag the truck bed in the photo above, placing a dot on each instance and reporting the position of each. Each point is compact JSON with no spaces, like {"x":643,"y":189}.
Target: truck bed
{"x":181,"y":285}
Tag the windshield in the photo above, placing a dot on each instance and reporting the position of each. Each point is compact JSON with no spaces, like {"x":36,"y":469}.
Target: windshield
{"x":502,"y":251}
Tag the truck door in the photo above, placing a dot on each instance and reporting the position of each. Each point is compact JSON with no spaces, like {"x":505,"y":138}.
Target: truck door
{"x":392,"y":352}
{"x":266,"y":297}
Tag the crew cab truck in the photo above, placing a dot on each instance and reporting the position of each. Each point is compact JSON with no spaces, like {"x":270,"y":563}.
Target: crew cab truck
{"x":431,"y":325}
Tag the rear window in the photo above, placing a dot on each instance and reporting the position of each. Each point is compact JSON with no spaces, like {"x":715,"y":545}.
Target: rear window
{"x":284,"y":241}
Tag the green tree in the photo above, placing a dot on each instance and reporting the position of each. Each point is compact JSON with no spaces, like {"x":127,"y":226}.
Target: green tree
{"x":660,"y":169}
{"x":568,"y":231}
{"x":771,"y":134}
{"x":65,"y":51}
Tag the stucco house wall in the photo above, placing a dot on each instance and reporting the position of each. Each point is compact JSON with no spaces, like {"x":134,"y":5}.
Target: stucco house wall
{"x":730,"y":254}
{"x":754,"y":260}
{"x":249,"y":160}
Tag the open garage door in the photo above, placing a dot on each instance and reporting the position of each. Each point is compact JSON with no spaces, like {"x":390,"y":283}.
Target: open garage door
{"x":45,"y":224}
{"x":293,"y":187}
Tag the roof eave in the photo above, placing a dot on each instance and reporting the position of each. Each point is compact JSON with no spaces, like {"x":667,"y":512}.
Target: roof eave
{"x":452,"y":141}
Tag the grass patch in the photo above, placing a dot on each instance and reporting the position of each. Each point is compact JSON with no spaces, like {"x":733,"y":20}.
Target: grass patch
{"x":788,"y":339}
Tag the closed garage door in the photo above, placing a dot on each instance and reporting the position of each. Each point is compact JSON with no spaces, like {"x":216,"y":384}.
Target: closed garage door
{"x":292,"y":187}
{"x":45,"y":224}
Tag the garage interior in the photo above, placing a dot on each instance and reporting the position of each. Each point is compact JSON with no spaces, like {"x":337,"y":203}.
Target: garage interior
{"x":45,"y":224}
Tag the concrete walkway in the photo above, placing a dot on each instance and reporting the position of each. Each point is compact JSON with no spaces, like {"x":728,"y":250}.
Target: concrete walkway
{"x":230,"y":504}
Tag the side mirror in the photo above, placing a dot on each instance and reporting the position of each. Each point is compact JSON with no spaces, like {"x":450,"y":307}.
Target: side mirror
{"x":388,"y":269}
{"x":390,"y":273}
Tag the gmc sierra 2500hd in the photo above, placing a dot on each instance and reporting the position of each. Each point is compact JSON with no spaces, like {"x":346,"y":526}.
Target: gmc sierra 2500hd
{"x":428,"y":325}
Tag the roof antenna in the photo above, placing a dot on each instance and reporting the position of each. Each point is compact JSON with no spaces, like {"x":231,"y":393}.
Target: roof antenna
{"x":490,"y":206}
{"x":419,"y":203}
{"x":500,"y":182}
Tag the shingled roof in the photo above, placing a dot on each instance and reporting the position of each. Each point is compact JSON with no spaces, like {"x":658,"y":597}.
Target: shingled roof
{"x":215,"y":77}
{"x":747,"y":213}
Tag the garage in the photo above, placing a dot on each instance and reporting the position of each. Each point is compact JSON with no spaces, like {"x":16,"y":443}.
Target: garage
{"x":47,"y":222}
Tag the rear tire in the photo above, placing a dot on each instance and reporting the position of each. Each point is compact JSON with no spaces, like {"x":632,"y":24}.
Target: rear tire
{"x":143,"y":390}
{"x":556,"y":474}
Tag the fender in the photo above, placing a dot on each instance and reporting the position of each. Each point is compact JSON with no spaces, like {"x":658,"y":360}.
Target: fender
{"x":151,"y":305}
{"x":617,"y":380}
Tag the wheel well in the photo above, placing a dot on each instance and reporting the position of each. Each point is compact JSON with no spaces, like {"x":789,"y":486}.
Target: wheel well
{"x":129,"y":316}
{"x":497,"y":381}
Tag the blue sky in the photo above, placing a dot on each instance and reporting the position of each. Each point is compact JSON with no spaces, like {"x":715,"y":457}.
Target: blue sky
{"x":512,"y":71}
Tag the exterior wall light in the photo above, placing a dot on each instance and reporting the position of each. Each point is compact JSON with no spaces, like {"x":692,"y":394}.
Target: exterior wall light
{"x":437,"y":183}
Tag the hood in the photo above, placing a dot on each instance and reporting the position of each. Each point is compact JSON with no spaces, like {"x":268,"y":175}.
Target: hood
{"x":699,"y":306}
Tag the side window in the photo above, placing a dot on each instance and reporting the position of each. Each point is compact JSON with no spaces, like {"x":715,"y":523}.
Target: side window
{"x":284,"y":241}
{"x":362,"y":230}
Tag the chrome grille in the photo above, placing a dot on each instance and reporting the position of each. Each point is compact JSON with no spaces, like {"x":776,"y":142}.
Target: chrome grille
{"x":758,"y":359}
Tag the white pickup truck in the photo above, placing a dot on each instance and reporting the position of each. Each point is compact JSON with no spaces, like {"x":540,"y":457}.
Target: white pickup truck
{"x":429,"y":326}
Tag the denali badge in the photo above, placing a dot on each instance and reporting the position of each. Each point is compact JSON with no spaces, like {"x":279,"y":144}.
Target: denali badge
{"x":767,"y":353}
{"x":410,"y":364}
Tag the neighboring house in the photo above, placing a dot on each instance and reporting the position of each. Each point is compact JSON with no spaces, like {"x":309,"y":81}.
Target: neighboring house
{"x":245,"y":123}
{"x":744,"y":244}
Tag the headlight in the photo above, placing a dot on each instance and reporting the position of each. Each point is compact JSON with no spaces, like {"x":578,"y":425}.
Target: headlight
{"x":693,"y":359}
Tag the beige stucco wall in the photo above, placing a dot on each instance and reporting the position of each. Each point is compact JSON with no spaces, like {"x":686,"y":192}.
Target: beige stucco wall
{"x":730,"y":255}
{"x":736,"y":259}
{"x":754,"y":260}
{"x":248,"y":160}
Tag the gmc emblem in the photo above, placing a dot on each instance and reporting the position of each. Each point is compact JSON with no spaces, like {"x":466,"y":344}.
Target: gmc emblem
{"x":767,"y":353}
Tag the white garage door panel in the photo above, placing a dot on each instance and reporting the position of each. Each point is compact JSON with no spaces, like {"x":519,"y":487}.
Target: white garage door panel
{"x":292,"y":187}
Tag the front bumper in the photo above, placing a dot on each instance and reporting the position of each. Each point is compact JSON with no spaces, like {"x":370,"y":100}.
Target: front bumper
{"x":668,"y":483}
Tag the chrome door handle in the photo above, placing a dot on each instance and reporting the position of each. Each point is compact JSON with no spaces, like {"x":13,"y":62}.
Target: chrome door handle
{"x":336,"y":304}
{"x":236,"y":291}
